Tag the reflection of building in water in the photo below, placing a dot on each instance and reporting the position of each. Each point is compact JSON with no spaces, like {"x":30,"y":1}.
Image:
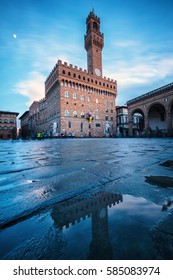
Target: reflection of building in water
{"x":70,"y":212}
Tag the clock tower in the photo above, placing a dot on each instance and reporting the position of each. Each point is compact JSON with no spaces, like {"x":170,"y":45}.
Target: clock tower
{"x":94,"y":42}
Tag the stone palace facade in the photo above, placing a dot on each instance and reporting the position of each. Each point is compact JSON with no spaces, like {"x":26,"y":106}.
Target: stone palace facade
{"x":78,"y":102}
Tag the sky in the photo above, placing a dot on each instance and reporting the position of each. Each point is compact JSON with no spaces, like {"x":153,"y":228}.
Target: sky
{"x":34,"y":34}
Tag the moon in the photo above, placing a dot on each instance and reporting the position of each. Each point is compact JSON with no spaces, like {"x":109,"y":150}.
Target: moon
{"x":14,"y":36}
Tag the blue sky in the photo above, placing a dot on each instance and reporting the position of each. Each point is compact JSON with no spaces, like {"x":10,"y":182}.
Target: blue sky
{"x":34,"y":34}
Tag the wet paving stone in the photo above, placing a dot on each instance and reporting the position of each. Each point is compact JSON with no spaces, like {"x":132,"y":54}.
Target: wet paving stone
{"x":86,"y":199}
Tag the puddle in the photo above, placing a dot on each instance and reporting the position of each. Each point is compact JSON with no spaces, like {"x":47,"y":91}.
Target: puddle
{"x":162,"y":235}
{"x":103,"y":225}
{"x":160,"y":181}
{"x":168,"y":163}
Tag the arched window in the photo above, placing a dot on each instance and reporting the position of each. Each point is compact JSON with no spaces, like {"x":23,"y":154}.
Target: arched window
{"x":63,"y":71}
{"x":95,"y":26}
{"x":67,"y":114}
{"x":97,"y":100}
{"x":67,"y":94}
{"x":74,"y":95}
{"x":82,"y":115}
{"x":75,"y":114}
{"x":82,"y":97}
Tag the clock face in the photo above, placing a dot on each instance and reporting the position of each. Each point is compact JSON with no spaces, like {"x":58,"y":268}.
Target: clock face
{"x":97,"y":71}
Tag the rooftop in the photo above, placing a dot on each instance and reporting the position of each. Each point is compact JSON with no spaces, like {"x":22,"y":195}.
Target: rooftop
{"x":149,"y":94}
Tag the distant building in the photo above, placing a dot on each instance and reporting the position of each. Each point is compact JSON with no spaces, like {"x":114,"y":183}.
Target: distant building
{"x":8,"y":125}
{"x":24,"y":124}
{"x":123,"y":122}
{"x":78,"y":102}
{"x":34,"y":118}
{"x":156,"y":111}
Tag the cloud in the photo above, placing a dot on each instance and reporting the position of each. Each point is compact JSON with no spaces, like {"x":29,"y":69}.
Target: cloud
{"x":41,"y":61}
{"x":138,"y":67}
{"x":32,"y":87}
{"x":138,"y":63}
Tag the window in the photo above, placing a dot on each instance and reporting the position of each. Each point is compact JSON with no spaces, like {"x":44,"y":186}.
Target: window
{"x":97,"y":124}
{"x":82,"y":115}
{"x":106,"y":117}
{"x":67,"y":114}
{"x":75,"y":114}
{"x":106,"y":103}
{"x":69,"y":124}
{"x":112,"y":111}
{"x":82,"y":97}
{"x":74,"y":95}
{"x":5,"y":127}
{"x":5,"y":121}
{"x":0,"y":120}
{"x":97,"y":100}
{"x":67,"y":94}
{"x":11,"y":127}
{"x":111,"y":104}
{"x":112,"y":118}
{"x":106,"y":110}
{"x":89,"y":99}
{"x":81,"y":127}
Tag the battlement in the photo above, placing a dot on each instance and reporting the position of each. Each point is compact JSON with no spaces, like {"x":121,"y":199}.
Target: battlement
{"x":74,"y":72}
{"x":82,"y":71}
{"x":91,"y":14}
{"x":72,"y":67}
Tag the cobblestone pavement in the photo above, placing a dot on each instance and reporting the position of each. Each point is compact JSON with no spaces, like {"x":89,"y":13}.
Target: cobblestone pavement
{"x":86,"y":199}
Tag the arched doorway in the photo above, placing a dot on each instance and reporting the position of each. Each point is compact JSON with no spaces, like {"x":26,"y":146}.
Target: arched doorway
{"x":157,"y":125}
{"x":138,"y":123}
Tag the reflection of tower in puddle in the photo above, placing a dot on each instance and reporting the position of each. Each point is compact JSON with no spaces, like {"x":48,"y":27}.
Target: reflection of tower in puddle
{"x":72,"y":211}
